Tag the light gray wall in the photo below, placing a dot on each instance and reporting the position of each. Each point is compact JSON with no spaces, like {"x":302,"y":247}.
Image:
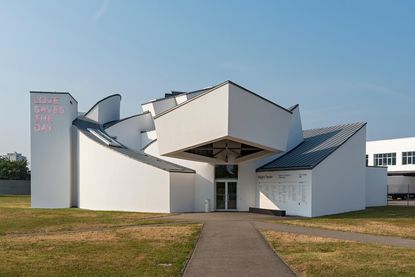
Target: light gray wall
{"x":257,"y":121}
{"x":399,"y":184}
{"x":339,"y":182}
{"x":182,"y":186}
{"x":15,"y":187}
{"x":51,"y":150}
{"x":295,"y":135}
{"x":376,"y":186}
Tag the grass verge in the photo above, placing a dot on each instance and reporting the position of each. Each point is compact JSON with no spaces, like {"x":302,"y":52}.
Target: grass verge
{"x":315,"y":256}
{"x":16,"y":216}
{"x":388,"y":221}
{"x":74,"y":242}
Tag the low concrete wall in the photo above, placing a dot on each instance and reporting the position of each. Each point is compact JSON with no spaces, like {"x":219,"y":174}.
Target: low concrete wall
{"x":376,"y":186}
{"x":16,"y":187}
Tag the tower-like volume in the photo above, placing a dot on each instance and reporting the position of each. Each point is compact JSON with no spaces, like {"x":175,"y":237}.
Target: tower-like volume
{"x":53,"y":149}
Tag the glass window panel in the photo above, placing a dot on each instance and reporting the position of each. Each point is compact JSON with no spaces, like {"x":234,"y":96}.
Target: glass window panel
{"x":231,"y":195}
{"x":220,"y":195}
{"x":227,"y":171}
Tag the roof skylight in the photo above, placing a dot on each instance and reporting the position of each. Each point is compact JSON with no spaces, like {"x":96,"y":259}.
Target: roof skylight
{"x":104,"y":137}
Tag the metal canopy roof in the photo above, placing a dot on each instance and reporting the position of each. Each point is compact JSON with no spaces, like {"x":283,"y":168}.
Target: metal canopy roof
{"x":318,"y":144}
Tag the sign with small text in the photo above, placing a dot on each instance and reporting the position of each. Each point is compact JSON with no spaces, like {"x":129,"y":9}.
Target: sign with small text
{"x":45,"y":109}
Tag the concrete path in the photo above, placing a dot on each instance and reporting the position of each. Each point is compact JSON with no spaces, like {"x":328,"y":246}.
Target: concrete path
{"x":311,"y":231}
{"x":229,"y":245}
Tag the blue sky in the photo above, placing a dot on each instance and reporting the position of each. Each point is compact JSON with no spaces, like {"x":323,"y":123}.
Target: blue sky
{"x":342,"y":61}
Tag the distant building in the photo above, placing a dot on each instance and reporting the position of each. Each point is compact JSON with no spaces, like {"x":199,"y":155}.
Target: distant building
{"x":398,"y":155}
{"x":15,"y":157}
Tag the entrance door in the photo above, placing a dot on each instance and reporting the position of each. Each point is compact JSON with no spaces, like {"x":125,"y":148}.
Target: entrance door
{"x":226,"y":195}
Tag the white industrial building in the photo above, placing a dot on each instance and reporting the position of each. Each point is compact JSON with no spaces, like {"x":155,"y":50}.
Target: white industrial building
{"x":220,"y":148}
{"x":398,"y":155}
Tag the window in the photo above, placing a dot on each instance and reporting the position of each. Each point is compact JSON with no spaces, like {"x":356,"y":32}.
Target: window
{"x":104,"y":137}
{"x":408,"y":157}
{"x":367,"y":160}
{"x":227,"y":171}
{"x":385,"y":159}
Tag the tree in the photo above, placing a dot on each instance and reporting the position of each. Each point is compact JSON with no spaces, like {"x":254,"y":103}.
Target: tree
{"x":13,"y":170}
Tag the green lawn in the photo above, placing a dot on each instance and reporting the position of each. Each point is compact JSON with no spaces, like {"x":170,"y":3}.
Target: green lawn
{"x":389,"y":221}
{"x":320,"y":257}
{"x":68,"y":242}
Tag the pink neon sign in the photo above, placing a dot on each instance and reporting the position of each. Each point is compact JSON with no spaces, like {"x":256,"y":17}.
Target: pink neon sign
{"x":45,"y":109}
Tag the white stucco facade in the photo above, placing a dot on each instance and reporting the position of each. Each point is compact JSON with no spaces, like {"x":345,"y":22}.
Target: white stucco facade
{"x":218,"y":148}
{"x":52,"y":148}
{"x":343,"y":188}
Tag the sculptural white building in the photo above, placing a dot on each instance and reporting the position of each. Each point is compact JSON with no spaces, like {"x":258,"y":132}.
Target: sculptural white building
{"x":224,"y":146}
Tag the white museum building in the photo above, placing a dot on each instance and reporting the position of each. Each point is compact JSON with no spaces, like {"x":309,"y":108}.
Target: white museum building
{"x":222,"y":148}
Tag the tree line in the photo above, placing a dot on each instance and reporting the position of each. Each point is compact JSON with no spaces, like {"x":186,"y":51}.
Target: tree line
{"x":13,"y":170}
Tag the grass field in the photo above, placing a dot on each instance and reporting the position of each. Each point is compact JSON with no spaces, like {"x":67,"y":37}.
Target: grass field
{"x":318,"y":257}
{"x":68,"y":242}
{"x":389,"y":221}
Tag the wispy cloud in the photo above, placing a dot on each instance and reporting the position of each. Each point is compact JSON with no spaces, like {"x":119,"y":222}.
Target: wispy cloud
{"x":102,"y":9}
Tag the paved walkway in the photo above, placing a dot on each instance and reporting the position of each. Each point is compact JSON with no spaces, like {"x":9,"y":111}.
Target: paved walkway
{"x":230,"y":244}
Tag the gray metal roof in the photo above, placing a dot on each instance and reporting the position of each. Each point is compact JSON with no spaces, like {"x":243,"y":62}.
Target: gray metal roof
{"x":111,"y":123}
{"x":83,"y":124}
{"x":318,"y":144}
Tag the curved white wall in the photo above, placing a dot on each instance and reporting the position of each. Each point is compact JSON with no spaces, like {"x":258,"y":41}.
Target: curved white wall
{"x":106,"y":110}
{"x":159,"y":106}
{"x":109,"y":180}
{"x":128,"y":131}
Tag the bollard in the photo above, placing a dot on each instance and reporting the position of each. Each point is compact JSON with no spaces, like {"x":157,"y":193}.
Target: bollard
{"x":207,"y":205}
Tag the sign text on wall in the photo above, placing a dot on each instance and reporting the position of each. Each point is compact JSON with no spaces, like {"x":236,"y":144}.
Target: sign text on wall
{"x":44,"y":110}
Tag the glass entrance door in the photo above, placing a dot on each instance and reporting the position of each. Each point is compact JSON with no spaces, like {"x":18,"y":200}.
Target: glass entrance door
{"x":226,"y":192}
